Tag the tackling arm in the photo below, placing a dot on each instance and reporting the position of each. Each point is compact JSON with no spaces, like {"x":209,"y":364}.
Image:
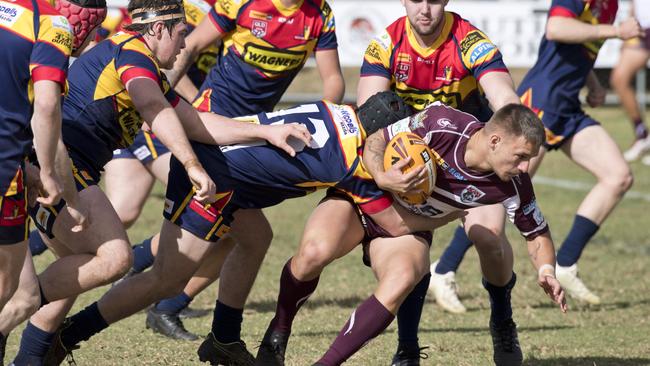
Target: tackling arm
{"x":369,"y":86}
{"x":571,"y":30}
{"x":329,"y":69}
{"x":499,"y":89}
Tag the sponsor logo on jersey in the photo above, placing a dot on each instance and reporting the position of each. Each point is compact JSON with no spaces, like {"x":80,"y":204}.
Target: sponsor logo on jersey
{"x":273,"y":60}
{"x":258,"y":28}
{"x":63,"y":38}
{"x":284,"y":20}
{"x":373,"y":51}
{"x":481,"y":51}
{"x":471,"y":194}
{"x":203,"y":6}
{"x":530,"y":208}
{"x":346,"y":124}
{"x":142,"y":152}
{"x":61,"y":22}
{"x":420,"y":99}
{"x":446,"y":123}
{"x":399,"y":126}
{"x":470,"y":40}
{"x":306,"y":31}
{"x":254,"y":14}
{"x":9,"y":14}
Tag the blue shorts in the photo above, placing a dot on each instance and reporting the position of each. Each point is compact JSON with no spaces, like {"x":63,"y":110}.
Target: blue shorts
{"x":84,"y":176}
{"x":146,"y":147}
{"x":559,"y":129}
{"x":14,"y":222}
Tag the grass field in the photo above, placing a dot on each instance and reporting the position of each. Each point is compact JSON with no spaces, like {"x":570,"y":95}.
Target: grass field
{"x":615,"y":265}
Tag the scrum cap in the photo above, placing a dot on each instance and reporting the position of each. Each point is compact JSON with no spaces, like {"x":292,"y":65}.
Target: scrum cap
{"x":83,"y":15}
{"x":381,"y":110}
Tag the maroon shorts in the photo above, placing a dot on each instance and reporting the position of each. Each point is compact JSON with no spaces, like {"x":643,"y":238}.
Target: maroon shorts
{"x":371,"y":229}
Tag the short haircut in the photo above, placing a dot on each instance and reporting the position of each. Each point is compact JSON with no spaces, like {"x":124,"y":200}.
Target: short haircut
{"x":519,"y":120}
{"x":152,"y":7}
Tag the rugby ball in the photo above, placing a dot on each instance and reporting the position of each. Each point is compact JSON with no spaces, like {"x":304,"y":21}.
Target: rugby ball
{"x":408,"y":144}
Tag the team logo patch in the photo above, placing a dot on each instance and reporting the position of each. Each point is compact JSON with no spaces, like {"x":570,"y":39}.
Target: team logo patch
{"x":42,"y":217}
{"x":446,"y":123}
{"x":13,"y":212}
{"x":471,"y":194}
{"x":142,"y":152}
{"x":259,"y":28}
{"x":481,"y":51}
{"x":402,"y":71}
{"x":169,"y":206}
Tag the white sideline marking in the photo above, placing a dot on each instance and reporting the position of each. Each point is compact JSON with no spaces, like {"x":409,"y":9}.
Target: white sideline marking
{"x":573,"y":185}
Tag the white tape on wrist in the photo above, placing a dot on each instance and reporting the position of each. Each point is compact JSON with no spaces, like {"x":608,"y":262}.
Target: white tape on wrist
{"x":543,"y":268}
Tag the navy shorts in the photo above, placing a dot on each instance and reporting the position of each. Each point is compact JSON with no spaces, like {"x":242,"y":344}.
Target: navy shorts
{"x":84,"y":175}
{"x":146,"y":147}
{"x":14,"y":222}
{"x":559,"y":129}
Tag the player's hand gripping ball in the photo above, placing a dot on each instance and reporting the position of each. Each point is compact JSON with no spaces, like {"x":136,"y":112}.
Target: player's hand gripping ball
{"x":407,"y":144}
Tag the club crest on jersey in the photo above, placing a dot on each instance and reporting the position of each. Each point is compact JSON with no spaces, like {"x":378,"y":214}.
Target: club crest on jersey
{"x":471,"y":194}
{"x":446,"y":123}
{"x":259,"y":28}
{"x":402,"y":71}
{"x":305,"y":34}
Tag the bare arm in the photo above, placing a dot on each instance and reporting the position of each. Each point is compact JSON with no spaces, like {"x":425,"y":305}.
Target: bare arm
{"x":393,"y":179}
{"x":329,"y":69}
{"x":571,"y":30}
{"x":159,"y":114}
{"x":186,"y":88}
{"x":542,"y":254}
{"x":369,"y":86}
{"x":595,"y":92}
{"x":203,"y":36}
{"x":213,"y":129}
{"x":499,"y":89}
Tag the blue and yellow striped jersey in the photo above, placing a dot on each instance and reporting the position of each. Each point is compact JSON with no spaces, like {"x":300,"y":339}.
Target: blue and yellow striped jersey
{"x":36,"y":45}
{"x":98,"y":113}
{"x":265,"y":45}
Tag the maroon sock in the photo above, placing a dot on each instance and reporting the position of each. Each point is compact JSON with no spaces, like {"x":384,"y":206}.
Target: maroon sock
{"x":640,"y":129}
{"x":293,"y":293}
{"x":366,"y":322}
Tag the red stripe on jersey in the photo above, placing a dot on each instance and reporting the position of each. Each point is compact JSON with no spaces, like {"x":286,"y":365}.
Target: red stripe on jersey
{"x":377,"y":205}
{"x":138,"y":72}
{"x":49,"y":73}
{"x":560,"y":11}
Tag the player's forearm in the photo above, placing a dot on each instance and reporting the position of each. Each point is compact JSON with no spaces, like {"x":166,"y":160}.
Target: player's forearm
{"x":64,"y":170}
{"x":169,"y":130}
{"x":570,"y":30}
{"x":499,"y":89}
{"x":220,"y":130}
{"x":46,"y":127}
{"x":334,"y":88}
{"x":592,"y":82}
{"x":373,"y":155}
{"x":542,"y":253}
{"x":186,"y":88}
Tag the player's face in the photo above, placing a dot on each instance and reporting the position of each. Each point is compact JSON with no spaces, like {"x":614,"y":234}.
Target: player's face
{"x":170,"y":45}
{"x":426,"y":16}
{"x":511,"y":156}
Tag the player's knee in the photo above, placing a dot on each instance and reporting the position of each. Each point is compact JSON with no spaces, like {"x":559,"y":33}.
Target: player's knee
{"x":117,"y":260}
{"x":489,"y":246}
{"x":401,"y":281}
{"x":26,"y":304}
{"x":313,"y":256}
{"x":620,"y":182}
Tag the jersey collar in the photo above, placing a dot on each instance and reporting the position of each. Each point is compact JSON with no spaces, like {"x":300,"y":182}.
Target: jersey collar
{"x":427,"y":51}
{"x":286,"y":11}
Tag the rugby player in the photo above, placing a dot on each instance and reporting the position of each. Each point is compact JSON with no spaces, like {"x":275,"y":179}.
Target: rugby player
{"x":114,"y":88}
{"x":575,"y":31}
{"x":265,"y":44}
{"x":432,"y":55}
{"x":38,"y":41}
{"x":477,"y":164}
{"x":250,"y":176}
{"x":635,"y":54}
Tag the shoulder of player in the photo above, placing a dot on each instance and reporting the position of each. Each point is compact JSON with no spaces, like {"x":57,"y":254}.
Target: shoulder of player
{"x":321,"y":6}
{"x":461,"y":27}
{"x":391,"y":35}
{"x":132,"y":43}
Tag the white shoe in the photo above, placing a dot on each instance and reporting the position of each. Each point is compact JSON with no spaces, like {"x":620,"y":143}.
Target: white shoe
{"x":573,"y":285}
{"x":637,"y":149}
{"x":445,"y":290}
{"x":646,"y":160}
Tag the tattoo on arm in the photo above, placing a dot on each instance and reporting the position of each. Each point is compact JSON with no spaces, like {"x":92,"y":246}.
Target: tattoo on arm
{"x":376,"y":145}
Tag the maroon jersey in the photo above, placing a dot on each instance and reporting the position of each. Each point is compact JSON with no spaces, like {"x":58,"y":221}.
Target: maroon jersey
{"x":447,"y":131}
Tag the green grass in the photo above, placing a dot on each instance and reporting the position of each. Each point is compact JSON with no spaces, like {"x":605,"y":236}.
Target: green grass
{"x":615,"y":265}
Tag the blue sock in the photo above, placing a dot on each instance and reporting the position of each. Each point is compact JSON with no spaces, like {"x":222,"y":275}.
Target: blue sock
{"x":454,"y":253}
{"x":174,"y":305}
{"x":142,"y":256}
{"x":33,"y":346}
{"x":83,"y":325}
{"x":408,"y":315}
{"x":581,"y":232}
{"x":500,"y":299}
{"x":36,"y":244}
{"x":226,"y":323}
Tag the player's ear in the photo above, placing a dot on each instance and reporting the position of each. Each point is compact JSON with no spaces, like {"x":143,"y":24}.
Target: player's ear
{"x":495,"y":139}
{"x":158,"y":28}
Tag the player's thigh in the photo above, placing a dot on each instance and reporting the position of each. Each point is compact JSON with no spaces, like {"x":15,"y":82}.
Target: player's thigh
{"x":250,"y":227}
{"x":632,"y":59}
{"x":485,"y":220}
{"x":12,"y":257}
{"x":159,"y":167}
{"x":333,"y":229}
{"x":128,"y":184}
{"x":179,"y":252}
{"x":593,"y":149}
{"x":404,"y":259}
{"x":105,"y":234}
